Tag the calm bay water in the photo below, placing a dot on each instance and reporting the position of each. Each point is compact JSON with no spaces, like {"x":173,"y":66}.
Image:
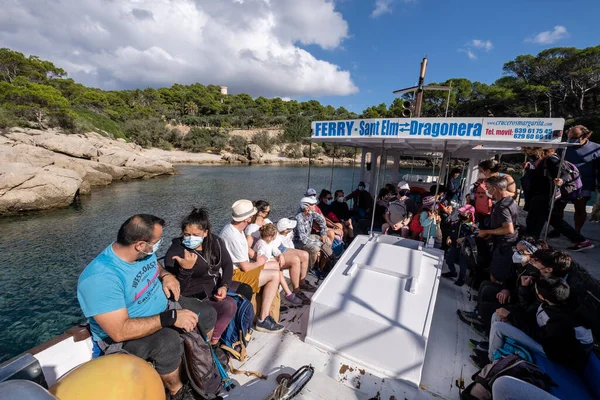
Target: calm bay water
{"x":43,"y":253}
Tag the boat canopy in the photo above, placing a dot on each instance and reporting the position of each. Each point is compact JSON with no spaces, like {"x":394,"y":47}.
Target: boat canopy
{"x":475,"y":139}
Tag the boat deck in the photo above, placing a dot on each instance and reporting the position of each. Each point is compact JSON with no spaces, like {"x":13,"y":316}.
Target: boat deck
{"x":446,"y":360}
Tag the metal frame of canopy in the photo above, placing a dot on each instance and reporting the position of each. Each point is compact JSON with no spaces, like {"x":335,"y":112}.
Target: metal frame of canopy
{"x":492,"y":136}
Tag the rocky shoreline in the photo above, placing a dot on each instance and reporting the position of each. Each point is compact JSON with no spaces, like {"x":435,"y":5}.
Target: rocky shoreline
{"x":44,"y":169}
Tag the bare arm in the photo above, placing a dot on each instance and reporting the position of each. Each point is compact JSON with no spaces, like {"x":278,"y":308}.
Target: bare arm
{"x":121,"y":328}
{"x":507,"y":228}
{"x":249,"y":266}
{"x":251,"y":252}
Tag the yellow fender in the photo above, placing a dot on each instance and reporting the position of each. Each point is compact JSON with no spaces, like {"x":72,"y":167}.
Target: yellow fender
{"x":112,"y":377}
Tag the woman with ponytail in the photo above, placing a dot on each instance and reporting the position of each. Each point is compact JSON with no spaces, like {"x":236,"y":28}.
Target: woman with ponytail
{"x":201,"y":263}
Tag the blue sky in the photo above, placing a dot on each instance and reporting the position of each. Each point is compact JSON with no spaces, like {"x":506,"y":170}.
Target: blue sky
{"x":384,"y":53}
{"x":350,"y":53}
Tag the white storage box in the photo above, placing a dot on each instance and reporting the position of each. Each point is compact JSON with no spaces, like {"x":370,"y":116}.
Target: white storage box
{"x":375,"y":307}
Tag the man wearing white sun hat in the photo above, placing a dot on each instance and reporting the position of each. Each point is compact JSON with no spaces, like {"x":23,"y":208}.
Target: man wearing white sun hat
{"x":251,"y":273}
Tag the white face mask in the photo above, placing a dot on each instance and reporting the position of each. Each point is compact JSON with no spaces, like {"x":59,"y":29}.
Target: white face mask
{"x":519,"y":258}
{"x":155,"y":247}
{"x":480,"y":175}
{"x":488,"y":194}
{"x":341,"y":199}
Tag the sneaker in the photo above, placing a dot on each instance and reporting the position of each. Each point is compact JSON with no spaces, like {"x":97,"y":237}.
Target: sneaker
{"x":449,"y":275}
{"x":587,"y":244}
{"x":480,"y":364}
{"x":268,"y":326}
{"x":304,"y":298}
{"x":482,"y":345}
{"x":482,"y":355}
{"x":479,"y":329}
{"x":307,"y":287}
{"x":293,"y":299}
{"x":185,"y":393}
{"x":459,"y":282}
{"x":468,"y":317}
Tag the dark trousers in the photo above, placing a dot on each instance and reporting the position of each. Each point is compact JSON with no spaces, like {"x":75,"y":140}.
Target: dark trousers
{"x":487,"y":304}
{"x":453,"y":257}
{"x":539,"y":209}
{"x":164,"y":348}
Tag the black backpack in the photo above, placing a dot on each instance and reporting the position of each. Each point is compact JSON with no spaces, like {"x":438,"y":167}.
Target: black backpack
{"x":512,"y":365}
{"x":203,"y":374}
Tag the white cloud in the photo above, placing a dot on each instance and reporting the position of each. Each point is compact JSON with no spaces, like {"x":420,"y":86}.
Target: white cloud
{"x":385,"y":7}
{"x":469,"y":53}
{"x":250,"y":46}
{"x":486,"y":45}
{"x":549,"y":37}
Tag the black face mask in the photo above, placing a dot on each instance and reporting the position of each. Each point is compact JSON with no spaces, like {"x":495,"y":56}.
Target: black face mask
{"x":532,"y":271}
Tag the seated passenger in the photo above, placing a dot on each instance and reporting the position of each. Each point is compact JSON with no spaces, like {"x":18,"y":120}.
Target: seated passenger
{"x":340,"y":212}
{"x":123,"y":293}
{"x":203,"y":267}
{"x":303,"y":239}
{"x":259,"y":219}
{"x":265,"y":246}
{"x":293,"y":257}
{"x":336,"y":229}
{"x":557,"y":332}
{"x":251,"y":273}
{"x":381,"y":205}
{"x":399,"y":212}
{"x":362,"y":201}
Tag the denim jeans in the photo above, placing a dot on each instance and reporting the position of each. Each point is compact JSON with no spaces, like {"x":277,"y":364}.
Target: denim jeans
{"x":501,"y":330}
{"x":510,"y":388}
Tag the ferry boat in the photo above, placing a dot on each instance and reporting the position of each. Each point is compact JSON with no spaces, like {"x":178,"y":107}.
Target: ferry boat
{"x":382,"y":324}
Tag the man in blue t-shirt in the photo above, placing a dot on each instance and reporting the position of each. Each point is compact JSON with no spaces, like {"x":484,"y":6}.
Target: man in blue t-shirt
{"x":124,"y":293}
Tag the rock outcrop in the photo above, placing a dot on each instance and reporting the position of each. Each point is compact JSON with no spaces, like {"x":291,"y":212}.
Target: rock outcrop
{"x":46,"y":169}
{"x":24,"y":187}
{"x":254,"y":153}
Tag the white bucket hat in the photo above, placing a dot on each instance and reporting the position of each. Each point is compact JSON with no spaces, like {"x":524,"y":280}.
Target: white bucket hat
{"x":285,"y":223}
{"x":242,"y":210}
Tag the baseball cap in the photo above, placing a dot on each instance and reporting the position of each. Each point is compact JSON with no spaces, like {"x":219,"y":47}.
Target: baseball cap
{"x":311,"y":192}
{"x":403,"y":185}
{"x":467,"y":208}
{"x":308,"y":200}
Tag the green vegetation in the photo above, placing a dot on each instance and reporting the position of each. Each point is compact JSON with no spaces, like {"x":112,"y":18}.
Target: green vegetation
{"x":558,"y":82}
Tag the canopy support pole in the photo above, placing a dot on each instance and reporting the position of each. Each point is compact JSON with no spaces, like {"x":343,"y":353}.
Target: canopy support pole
{"x":553,"y":199}
{"x":376,"y":186}
{"x":385,"y":165}
{"x":437,"y":189}
{"x":353,"y":168}
{"x":412,"y":165}
{"x":332,"y":167}
{"x":309,"y":162}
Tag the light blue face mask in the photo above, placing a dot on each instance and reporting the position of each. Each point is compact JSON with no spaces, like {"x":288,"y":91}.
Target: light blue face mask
{"x":361,"y":188}
{"x":328,"y":202}
{"x":155,"y":247}
{"x":192,"y":242}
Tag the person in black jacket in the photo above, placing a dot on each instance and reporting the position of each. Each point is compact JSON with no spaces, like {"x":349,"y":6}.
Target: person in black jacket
{"x":203,"y":266}
{"x":544,"y":183}
{"x":556,"y":330}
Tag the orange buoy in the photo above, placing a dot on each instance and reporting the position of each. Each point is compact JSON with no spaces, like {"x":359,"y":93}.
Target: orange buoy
{"x":112,"y":377}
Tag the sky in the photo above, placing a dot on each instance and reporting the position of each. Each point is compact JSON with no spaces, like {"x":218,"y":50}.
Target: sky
{"x":350,"y":53}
